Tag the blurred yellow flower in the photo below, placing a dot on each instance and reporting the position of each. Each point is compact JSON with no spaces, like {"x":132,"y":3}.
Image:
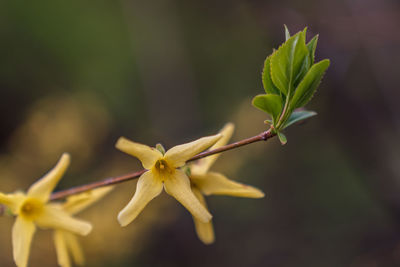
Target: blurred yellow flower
{"x":32,"y":209}
{"x":212,"y":183}
{"x":163,"y":172}
{"x":65,"y":241}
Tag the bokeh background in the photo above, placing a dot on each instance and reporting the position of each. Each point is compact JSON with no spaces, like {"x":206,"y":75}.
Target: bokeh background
{"x":76,"y":75}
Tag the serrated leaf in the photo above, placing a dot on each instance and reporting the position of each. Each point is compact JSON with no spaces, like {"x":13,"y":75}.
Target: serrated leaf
{"x":305,"y":90}
{"x":282,"y":138}
{"x":305,"y":67}
{"x":287,"y":61}
{"x":270,"y":103}
{"x":269,"y":86}
{"x":287,"y":33}
{"x":297,"y":116}
{"x":312,"y":46}
{"x":306,"y":64}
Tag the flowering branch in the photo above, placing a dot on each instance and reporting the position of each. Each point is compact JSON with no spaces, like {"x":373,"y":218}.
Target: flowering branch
{"x":264,"y":136}
{"x":290,"y":78}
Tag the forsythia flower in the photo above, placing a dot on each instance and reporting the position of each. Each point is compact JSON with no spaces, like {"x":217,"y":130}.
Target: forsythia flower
{"x":65,"y":241}
{"x":32,"y":209}
{"x":163,"y":171}
{"x":212,"y":183}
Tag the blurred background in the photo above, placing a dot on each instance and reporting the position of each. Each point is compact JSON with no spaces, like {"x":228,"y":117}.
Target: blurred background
{"x":76,"y":75}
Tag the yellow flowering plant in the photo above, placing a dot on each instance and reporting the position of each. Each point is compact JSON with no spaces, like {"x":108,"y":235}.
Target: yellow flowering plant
{"x":205,"y":182}
{"x":163,"y":171}
{"x":290,"y":78}
{"x":34,"y":209}
{"x":66,"y":242}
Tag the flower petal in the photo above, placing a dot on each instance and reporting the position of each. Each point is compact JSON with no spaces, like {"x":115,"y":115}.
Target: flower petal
{"x":205,"y":231}
{"x":147,"y":188}
{"x":178,"y":186}
{"x":178,"y":155}
{"x":147,"y":155}
{"x":75,"y":248}
{"x":214,"y":183}
{"x":12,"y":201}
{"x":54,"y":217}
{"x":43,"y":188}
{"x":79,"y":202}
{"x":61,"y":248}
{"x":203,"y":165}
{"x":22,"y":234}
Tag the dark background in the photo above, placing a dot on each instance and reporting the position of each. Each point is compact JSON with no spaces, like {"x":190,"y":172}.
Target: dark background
{"x":76,"y":75}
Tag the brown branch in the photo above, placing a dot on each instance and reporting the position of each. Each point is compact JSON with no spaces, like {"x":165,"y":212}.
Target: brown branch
{"x":264,"y":136}
{"x":87,"y":187}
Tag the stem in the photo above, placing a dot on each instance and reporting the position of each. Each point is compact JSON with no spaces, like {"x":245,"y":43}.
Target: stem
{"x":284,"y":112}
{"x":264,"y":136}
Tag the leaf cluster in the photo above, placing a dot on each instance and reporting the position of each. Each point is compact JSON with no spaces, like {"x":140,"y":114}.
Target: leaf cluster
{"x":290,"y":78}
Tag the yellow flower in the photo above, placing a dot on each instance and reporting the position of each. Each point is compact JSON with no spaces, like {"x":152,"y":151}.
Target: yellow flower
{"x":32,"y":209}
{"x":207,"y":183}
{"x":163,"y":171}
{"x":65,"y":241}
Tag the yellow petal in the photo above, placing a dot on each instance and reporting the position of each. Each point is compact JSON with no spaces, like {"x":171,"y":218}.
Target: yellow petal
{"x":214,"y":183}
{"x":54,"y":217}
{"x":178,"y":186}
{"x":22,"y":234}
{"x":75,"y":248}
{"x":147,"y":155}
{"x":61,"y":249}
{"x":43,"y":188}
{"x":203,"y":165}
{"x":12,"y":201}
{"x":79,"y":202}
{"x":205,"y":231}
{"x":226,"y":132}
{"x":147,"y":188}
{"x":178,"y":155}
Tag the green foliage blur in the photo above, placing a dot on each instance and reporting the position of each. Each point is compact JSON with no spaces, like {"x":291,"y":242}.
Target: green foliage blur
{"x":74,"y":76}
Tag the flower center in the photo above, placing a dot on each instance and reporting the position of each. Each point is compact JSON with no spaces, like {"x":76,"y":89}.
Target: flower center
{"x":31,"y":208}
{"x":163,"y":168}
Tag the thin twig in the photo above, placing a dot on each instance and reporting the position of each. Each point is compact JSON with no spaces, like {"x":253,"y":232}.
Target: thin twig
{"x":264,"y":136}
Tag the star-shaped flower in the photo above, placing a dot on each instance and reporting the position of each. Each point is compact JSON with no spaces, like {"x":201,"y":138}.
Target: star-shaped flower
{"x":66,"y":242}
{"x":163,"y":171}
{"x":33,"y":209}
{"x":205,"y":182}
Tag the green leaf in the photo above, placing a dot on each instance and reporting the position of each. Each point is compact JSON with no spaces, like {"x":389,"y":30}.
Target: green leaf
{"x":269,"y":86}
{"x":312,"y":46}
{"x":307,"y":87}
{"x":287,"y":33}
{"x":282,"y":138}
{"x":305,"y":67}
{"x":287,"y":61}
{"x":297,"y":116}
{"x":270,"y":103}
{"x":306,"y":64}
